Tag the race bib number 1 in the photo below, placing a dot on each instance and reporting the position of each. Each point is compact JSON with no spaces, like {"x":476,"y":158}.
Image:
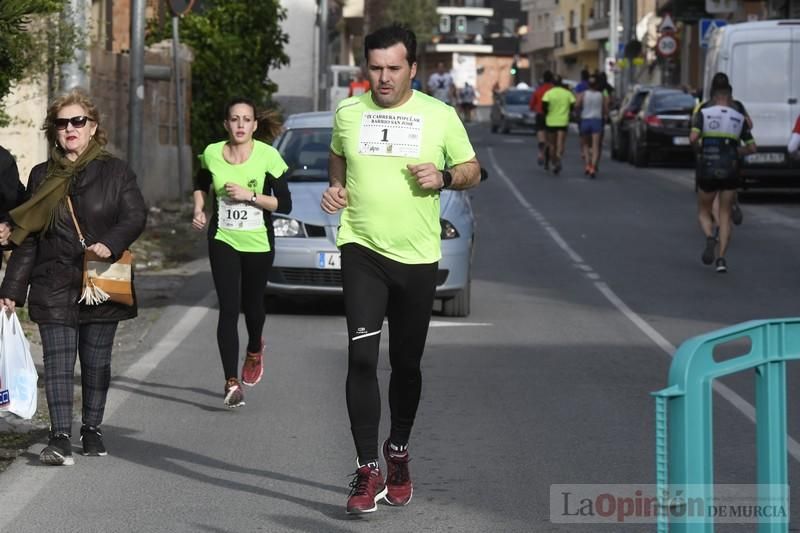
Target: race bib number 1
{"x":239,"y":215}
{"x":390,"y":134}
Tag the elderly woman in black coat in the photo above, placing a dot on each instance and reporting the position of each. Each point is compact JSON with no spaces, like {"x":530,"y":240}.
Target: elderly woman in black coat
{"x":49,"y":259}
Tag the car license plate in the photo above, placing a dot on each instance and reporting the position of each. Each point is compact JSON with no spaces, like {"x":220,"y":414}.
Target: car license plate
{"x":329,"y":260}
{"x":680,"y":141}
{"x":770,"y":158}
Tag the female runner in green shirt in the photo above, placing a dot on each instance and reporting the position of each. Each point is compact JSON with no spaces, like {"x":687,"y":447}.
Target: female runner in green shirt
{"x":246,"y":176}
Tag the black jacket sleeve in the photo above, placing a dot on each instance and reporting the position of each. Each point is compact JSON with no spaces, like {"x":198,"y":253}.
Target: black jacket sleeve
{"x":20,"y":264}
{"x":132,"y":216}
{"x":280,"y":190}
{"x":12,"y":192}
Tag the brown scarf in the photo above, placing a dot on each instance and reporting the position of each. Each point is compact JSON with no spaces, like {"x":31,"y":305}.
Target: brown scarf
{"x":39,"y":213}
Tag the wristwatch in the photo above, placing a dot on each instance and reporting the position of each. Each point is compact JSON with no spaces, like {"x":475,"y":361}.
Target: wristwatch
{"x":447,"y":179}
{"x":254,"y":198}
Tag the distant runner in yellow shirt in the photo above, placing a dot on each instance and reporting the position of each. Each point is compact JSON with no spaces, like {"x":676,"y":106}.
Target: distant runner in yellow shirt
{"x":557,"y":105}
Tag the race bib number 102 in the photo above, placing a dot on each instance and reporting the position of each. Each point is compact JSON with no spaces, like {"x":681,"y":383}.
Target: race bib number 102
{"x":239,"y":215}
{"x":390,"y":134}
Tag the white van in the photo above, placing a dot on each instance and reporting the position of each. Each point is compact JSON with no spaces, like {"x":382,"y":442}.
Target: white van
{"x":340,"y":76}
{"x":762,"y":60}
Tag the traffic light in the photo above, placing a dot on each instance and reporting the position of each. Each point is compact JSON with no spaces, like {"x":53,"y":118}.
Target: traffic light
{"x":461,"y":24}
{"x":514,"y":68}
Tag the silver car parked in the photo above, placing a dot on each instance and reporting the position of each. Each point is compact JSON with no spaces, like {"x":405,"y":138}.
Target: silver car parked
{"x":307,"y":261}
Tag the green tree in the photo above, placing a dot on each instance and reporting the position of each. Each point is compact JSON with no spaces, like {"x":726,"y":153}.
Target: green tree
{"x":31,"y":42}
{"x":235,"y":43}
{"x":419,"y":15}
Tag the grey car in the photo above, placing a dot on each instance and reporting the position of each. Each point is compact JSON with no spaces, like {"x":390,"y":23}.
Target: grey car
{"x":307,"y":261}
{"x":510,"y":111}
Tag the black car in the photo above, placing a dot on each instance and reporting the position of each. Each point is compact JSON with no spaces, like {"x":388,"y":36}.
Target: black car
{"x":661,"y":127}
{"x":621,"y":118}
{"x":510,"y":110}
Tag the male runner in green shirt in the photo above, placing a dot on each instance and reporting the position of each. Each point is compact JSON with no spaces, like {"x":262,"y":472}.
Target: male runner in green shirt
{"x":557,"y":105}
{"x":389,"y":151}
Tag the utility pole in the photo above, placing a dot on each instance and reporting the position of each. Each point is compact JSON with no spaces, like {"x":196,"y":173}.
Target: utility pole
{"x":628,"y":17}
{"x":176,"y":73}
{"x":323,"y":55}
{"x":613,"y":39}
{"x":73,"y":74}
{"x":181,"y":126}
{"x":136,"y":87}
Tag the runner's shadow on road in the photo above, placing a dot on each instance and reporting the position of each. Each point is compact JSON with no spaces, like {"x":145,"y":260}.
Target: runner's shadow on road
{"x":178,"y":461}
{"x":136,"y":387}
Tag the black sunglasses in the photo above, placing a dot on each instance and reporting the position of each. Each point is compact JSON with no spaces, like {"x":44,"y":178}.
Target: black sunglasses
{"x":78,"y":122}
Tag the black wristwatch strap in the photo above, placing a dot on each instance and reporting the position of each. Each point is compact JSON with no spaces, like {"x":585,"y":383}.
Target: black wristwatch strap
{"x":447,"y":178}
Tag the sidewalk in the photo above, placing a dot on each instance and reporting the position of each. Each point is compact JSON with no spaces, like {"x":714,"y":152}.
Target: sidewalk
{"x":167,"y":242}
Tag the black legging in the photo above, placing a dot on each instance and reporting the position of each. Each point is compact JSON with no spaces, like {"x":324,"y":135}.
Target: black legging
{"x":240,"y":279}
{"x":374,"y":287}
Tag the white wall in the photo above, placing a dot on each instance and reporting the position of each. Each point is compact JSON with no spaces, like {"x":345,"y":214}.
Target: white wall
{"x":296,"y":80}
{"x":27,"y":107}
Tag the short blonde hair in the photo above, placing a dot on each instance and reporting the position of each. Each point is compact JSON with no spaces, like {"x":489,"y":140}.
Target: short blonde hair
{"x":75,"y":96}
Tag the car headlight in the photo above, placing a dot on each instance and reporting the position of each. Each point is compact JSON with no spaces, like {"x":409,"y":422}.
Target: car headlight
{"x":287,"y":227}
{"x":449,"y":231}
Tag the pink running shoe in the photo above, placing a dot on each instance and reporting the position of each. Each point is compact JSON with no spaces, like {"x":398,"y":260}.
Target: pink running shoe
{"x":253,"y":367}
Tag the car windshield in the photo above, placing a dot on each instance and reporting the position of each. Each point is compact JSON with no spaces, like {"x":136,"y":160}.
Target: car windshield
{"x":517,"y":98}
{"x":305,"y":151}
{"x":678,"y":102}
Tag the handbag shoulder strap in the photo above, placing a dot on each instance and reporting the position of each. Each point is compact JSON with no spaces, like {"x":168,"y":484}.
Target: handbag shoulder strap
{"x":75,"y":221}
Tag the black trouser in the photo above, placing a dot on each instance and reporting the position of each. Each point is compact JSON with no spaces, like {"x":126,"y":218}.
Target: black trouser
{"x":374,"y":287}
{"x":240,"y":279}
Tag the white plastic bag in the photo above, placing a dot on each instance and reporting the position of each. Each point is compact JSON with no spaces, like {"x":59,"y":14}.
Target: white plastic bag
{"x":18,"y":375}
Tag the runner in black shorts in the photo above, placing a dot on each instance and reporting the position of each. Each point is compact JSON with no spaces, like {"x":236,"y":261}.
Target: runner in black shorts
{"x":718,"y":130}
{"x":388,"y":154}
{"x":720,"y":79}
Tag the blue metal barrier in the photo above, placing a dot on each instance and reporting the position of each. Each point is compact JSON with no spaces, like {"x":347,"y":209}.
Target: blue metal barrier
{"x":684,"y":429}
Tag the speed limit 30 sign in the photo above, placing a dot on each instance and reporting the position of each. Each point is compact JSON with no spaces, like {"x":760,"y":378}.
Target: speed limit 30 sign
{"x":667,"y":45}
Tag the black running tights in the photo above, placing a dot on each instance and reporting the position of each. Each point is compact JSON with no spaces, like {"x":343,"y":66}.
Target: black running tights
{"x":374,"y":287}
{"x":240,"y":279}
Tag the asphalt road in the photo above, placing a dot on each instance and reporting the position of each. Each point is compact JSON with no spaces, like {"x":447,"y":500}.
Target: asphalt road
{"x":582,"y":289}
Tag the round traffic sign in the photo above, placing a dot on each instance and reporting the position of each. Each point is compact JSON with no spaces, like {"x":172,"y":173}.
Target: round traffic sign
{"x":666,"y":45}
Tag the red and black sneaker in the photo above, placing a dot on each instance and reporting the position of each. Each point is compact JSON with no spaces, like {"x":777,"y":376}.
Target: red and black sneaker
{"x":398,"y":477}
{"x":253,"y":367}
{"x":366,"y":488}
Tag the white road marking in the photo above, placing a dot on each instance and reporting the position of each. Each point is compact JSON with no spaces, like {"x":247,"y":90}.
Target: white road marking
{"x":730,"y":395}
{"x":443,"y":324}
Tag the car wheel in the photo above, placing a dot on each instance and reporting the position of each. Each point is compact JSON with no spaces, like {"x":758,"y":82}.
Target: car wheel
{"x":506,"y":128}
{"x":638,"y":156}
{"x":629,"y":149}
{"x":614,"y":150}
{"x":458,"y":305}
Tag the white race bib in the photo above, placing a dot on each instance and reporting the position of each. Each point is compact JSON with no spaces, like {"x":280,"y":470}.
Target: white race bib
{"x":390,"y":134}
{"x":239,"y":215}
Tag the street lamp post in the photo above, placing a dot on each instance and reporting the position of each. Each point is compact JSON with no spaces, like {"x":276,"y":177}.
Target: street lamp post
{"x":176,"y":66}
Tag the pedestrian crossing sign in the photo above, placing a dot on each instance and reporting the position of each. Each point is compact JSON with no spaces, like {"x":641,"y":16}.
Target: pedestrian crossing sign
{"x":707,"y":28}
